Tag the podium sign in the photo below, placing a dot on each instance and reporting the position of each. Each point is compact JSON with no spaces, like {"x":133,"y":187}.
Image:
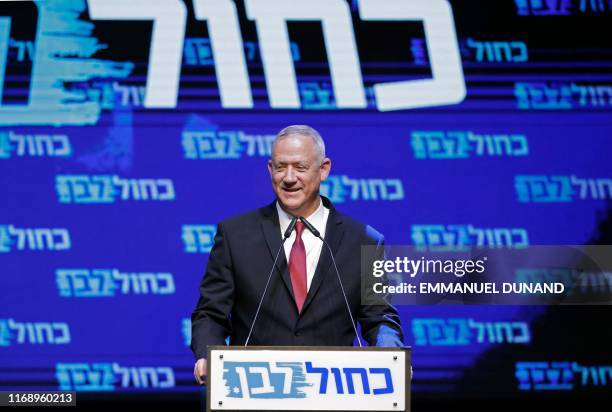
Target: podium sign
{"x":308,"y":379}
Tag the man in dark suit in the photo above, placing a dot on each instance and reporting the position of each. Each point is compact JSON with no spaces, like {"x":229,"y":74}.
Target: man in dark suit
{"x":304,"y":304}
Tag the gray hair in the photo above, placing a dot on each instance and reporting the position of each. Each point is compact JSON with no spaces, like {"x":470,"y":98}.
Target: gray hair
{"x":303,"y":130}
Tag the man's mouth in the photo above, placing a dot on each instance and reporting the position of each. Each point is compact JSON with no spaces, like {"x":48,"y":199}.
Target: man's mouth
{"x":291,"y":189}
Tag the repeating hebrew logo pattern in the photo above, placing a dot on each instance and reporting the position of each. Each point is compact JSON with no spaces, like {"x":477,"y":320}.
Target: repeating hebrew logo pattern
{"x":129,"y":133}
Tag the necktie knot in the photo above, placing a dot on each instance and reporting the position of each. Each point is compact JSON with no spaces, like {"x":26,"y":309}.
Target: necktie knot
{"x":299,"y":228}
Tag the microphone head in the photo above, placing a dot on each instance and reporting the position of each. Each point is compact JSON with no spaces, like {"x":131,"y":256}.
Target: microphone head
{"x":310,"y":227}
{"x":290,"y":227}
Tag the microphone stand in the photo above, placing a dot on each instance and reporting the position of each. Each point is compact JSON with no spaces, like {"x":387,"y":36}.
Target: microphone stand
{"x":285,"y":237}
{"x":315,"y":232}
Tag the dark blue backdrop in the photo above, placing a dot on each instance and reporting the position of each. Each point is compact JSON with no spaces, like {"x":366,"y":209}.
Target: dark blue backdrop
{"x":109,"y":203}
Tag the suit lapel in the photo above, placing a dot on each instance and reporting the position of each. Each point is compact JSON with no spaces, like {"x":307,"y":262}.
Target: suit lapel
{"x":333,"y":235}
{"x":271,"y":230}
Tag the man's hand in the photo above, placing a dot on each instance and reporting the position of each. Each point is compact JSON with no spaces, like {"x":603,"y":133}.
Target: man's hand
{"x":199,"y":371}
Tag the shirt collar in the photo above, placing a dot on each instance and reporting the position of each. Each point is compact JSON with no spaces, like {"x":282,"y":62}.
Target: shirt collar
{"x":317,"y":219}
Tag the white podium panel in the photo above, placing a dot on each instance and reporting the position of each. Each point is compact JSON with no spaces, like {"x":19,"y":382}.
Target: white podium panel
{"x":308,"y":379}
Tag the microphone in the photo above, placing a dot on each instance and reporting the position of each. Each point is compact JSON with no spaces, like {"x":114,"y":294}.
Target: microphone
{"x":263,"y":295}
{"x":310,"y":227}
{"x":290,"y":228}
{"x":315,"y":232}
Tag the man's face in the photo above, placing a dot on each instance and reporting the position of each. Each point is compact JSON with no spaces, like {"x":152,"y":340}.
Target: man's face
{"x":297,"y":174}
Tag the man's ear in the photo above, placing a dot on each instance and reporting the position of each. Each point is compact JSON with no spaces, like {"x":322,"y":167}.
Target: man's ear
{"x":270,"y":167}
{"x":325,"y":168}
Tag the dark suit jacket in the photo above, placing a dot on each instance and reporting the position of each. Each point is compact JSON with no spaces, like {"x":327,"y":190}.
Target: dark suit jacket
{"x":238,"y":267}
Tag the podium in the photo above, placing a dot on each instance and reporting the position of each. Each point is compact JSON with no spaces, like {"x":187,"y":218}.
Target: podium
{"x":311,"y":378}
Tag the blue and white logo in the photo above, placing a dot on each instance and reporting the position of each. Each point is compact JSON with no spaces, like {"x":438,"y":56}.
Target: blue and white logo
{"x":108,"y":189}
{"x":465,"y":332}
{"x":93,"y":283}
{"x":465,"y":144}
{"x":34,"y":145}
{"x":560,"y":189}
{"x":112,"y":376}
{"x":442,"y":236}
{"x":270,"y":380}
{"x":198,"y":238}
{"x":34,"y":239}
{"x":209,"y":144}
{"x":560,"y":376}
{"x":33,"y":333}
{"x":341,"y":188}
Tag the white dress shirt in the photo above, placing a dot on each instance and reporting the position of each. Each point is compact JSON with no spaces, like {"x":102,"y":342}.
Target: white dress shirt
{"x":312,"y":244}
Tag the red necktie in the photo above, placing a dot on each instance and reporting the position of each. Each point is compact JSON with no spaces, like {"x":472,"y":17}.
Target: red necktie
{"x":297,"y":267}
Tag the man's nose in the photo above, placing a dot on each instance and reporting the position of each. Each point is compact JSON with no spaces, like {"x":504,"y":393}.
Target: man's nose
{"x":290,"y":176}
